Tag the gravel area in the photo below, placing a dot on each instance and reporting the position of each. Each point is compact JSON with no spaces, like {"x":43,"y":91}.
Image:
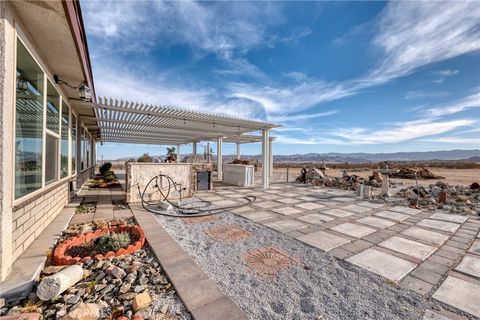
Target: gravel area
{"x":321,"y":287}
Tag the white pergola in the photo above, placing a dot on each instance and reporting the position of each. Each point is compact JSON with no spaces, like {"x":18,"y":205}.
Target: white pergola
{"x":123,"y":121}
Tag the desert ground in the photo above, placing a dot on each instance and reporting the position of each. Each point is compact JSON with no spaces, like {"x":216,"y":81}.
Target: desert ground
{"x":452,"y":176}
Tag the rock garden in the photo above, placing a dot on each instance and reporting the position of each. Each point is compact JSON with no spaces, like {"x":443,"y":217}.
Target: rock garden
{"x":101,"y":271}
{"x":105,"y":179}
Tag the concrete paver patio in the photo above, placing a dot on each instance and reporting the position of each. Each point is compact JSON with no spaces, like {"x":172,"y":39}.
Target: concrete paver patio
{"x":417,"y":249}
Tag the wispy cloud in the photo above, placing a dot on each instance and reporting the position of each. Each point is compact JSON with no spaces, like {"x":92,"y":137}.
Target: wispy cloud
{"x":469,"y":102}
{"x":421,"y":94}
{"x":446,"y":72}
{"x":301,"y":117}
{"x":456,"y":140}
{"x":308,"y":141}
{"x":400,"y":132}
{"x":417,"y":33}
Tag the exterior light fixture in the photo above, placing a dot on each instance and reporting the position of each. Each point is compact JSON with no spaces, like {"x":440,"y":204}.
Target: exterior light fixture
{"x":83,"y":90}
{"x":85,"y":93}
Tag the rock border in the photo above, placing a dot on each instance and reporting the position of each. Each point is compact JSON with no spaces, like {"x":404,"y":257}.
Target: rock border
{"x":59,"y":257}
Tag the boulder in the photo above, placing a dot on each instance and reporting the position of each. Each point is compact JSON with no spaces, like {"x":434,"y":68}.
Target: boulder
{"x":52,"y":286}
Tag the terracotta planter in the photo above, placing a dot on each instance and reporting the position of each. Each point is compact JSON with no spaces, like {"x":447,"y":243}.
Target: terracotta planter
{"x":59,"y":257}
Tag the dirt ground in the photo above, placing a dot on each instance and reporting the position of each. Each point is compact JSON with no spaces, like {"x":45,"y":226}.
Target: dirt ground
{"x":452,"y":176}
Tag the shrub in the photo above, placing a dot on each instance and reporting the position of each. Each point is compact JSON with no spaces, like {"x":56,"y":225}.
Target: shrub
{"x":112,"y":242}
{"x":105,"y":167}
{"x":145,"y":158}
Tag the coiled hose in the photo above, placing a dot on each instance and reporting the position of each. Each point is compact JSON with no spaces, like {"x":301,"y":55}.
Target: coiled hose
{"x":184,"y":210}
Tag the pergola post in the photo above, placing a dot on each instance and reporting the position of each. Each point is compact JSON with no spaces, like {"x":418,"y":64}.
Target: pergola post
{"x":178,"y":153}
{"x":265,"y":159}
{"x":270,"y":160}
{"x":194,"y":150}
{"x":219,"y":160}
{"x":238,"y":150}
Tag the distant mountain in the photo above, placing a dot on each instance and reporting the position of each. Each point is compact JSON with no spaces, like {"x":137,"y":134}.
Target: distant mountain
{"x":468,"y":155}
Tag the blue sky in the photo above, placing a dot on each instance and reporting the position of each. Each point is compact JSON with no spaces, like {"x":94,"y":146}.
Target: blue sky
{"x":339,"y":76}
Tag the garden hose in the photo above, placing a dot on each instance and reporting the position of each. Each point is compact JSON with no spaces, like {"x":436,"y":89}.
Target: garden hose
{"x":184,"y":211}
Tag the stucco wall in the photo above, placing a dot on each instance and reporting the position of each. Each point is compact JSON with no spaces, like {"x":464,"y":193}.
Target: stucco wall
{"x":7,"y":55}
{"x":139,"y":174}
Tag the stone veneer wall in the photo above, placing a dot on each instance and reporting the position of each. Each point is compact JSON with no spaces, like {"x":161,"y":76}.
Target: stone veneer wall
{"x":33,"y":216}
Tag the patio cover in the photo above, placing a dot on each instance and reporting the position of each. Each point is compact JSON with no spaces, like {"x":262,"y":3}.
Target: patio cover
{"x":132,"y":122}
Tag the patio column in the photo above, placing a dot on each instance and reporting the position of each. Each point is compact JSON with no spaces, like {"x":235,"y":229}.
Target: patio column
{"x":265,"y":159}
{"x":194,"y":149}
{"x":178,"y":153}
{"x":238,"y":150}
{"x":270,"y":160}
{"x":219,"y":160}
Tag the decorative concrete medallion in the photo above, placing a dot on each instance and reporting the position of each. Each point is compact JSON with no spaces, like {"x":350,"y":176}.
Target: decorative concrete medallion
{"x":268,"y":261}
{"x":231,"y":232}
{"x":195,"y":220}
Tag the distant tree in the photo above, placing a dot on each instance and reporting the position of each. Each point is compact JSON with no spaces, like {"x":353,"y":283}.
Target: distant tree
{"x":145,"y":158}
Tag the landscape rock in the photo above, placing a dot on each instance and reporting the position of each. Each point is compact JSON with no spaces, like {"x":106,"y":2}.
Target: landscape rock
{"x":23,"y":316}
{"x":141,"y":300}
{"x":84,"y":311}
{"x":57,"y":283}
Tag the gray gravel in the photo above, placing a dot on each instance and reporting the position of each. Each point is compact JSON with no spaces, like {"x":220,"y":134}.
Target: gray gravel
{"x":327,"y":289}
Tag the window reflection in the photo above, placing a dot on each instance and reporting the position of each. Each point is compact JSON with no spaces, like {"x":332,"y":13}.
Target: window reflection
{"x":64,"y":141}
{"x":29,"y":124}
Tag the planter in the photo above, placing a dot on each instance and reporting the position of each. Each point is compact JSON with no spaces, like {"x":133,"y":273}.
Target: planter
{"x":59,"y":257}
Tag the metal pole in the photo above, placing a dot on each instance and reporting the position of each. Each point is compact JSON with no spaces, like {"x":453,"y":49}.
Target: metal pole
{"x":287,"y":174}
{"x":238,"y":151}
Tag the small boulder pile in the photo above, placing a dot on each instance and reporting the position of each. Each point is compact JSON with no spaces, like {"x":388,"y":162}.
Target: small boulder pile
{"x":461,"y":200}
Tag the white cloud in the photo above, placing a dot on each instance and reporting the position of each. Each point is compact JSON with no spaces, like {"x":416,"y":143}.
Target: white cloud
{"x":400,"y":132}
{"x":456,"y":140}
{"x":417,"y":33}
{"x":421,"y":94}
{"x":446,"y":72}
{"x":469,"y":102}
{"x":301,"y":117}
{"x":308,"y":141}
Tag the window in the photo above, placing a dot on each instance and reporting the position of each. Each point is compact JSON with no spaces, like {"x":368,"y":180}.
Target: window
{"x":74,"y":144}
{"x":28,"y":123}
{"x":82,"y":149}
{"x":52,"y":134}
{"x":51,"y":159}
{"x":64,"y":141}
{"x":53,"y":104}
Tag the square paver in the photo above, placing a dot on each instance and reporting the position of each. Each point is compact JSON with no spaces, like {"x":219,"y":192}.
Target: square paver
{"x":475,"y":248}
{"x":289,"y":200}
{"x":393,"y":215}
{"x":440,"y":225}
{"x":290,"y":194}
{"x":448,"y":217}
{"x":287,"y":210}
{"x":431,"y":237}
{"x":323,"y":240}
{"x":267,"y":204}
{"x":258,"y":215}
{"x":344,"y":199}
{"x":310,"y":205}
{"x":406,"y":210}
{"x":225,"y":203}
{"x":384,"y":264}
{"x":376,"y":222}
{"x":353,"y":230}
{"x":470,"y":265}
{"x":285,"y":226}
{"x":356,"y":208}
{"x":316,"y":218}
{"x":408,"y":247}
{"x":339,"y":213}
{"x":308,"y":198}
{"x":460,"y":294}
{"x":271,"y":197}
{"x":372,"y":205}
